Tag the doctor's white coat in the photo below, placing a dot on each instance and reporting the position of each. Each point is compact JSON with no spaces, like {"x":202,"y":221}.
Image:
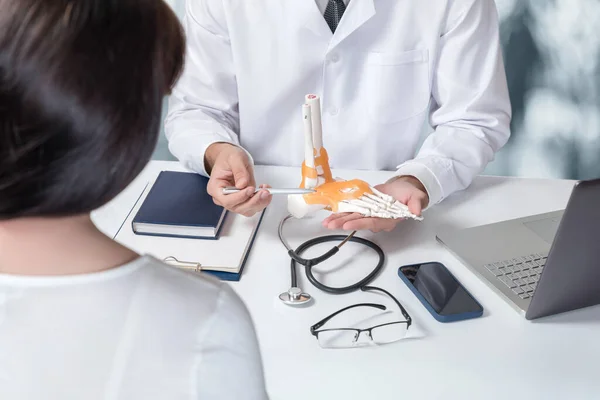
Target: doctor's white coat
{"x":390,"y":65}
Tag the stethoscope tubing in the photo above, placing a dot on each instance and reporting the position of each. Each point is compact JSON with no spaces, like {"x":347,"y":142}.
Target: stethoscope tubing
{"x":308,"y":264}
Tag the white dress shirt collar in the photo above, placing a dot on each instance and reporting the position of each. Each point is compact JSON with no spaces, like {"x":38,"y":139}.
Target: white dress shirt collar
{"x":322,"y":4}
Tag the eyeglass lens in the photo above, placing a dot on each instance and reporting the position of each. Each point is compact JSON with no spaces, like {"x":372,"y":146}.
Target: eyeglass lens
{"x":382,"y":334}
{"x":389,"y":333}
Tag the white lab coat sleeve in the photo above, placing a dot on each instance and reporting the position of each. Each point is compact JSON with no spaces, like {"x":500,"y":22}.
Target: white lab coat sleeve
{"x":203,"y":107}
{"x":470,"y":107}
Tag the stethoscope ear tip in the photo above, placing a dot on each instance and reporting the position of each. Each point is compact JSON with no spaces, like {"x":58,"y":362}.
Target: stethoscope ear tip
{"x":294,"y":296}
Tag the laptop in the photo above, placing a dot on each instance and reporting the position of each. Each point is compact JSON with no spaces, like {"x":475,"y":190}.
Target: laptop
{"x":542,"y":264}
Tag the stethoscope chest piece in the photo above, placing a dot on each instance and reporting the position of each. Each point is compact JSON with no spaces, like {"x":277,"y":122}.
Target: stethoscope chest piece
{"x":294,"y":296}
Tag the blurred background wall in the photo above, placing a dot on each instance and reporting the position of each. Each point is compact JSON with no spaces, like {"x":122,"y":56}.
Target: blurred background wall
{"x":552,"y":57}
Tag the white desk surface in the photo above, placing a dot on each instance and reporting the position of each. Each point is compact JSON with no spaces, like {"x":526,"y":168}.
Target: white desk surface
{"x":500,"y":355}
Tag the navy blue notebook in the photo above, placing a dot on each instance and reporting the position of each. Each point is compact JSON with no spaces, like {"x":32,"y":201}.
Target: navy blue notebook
{"x":178,"y":205}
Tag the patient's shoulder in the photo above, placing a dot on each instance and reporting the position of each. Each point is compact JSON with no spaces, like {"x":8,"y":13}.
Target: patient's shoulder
{"x":186,"y":292}
{"x":204,"y":318}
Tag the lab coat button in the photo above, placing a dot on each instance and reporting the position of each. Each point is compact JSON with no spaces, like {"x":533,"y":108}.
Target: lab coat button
{"x":334,"y":58}
{"x":333,"y":111}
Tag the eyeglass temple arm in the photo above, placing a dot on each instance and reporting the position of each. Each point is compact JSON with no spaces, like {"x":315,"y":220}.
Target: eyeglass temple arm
{"x":324,"y":320}
{"x":404,"y":312}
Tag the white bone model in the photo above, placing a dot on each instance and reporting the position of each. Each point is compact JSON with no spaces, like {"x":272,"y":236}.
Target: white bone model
{"x":336,"y":195}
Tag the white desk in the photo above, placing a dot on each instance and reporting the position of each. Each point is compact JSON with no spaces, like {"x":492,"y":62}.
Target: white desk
{"x":500,"y":355}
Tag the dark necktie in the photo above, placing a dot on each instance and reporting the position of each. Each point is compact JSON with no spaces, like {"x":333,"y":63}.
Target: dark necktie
{"x":333,"y":13}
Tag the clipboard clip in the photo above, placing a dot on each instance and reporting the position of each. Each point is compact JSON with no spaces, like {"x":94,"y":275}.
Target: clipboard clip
{"x":187,"y":265}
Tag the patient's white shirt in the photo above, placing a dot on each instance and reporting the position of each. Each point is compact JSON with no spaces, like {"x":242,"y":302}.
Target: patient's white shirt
{"x":144,"y":330}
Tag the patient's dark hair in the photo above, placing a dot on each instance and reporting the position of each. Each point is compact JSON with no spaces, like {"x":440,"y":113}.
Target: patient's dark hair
{"x":81,"y":90}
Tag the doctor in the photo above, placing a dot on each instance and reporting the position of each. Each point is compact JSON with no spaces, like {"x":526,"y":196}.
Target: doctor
{"x":383,"y":69}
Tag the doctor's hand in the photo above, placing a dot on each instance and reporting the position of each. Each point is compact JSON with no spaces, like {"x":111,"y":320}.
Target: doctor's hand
{"x":406,"y":189}
{"x":229,"y":165}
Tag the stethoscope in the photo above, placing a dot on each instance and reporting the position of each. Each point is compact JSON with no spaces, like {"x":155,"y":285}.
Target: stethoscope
{"x":295,"y":295}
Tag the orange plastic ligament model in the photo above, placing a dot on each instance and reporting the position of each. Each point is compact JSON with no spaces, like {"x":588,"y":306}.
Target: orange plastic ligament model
{"x":321,"y":162}
{"x":331,"y":194}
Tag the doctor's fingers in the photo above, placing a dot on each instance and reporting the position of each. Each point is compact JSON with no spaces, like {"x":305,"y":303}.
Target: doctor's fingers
{"x":416,"y":203}
{"x":229,"y":201}
{"x":257,"y":203}
{"x":337,"y":221}
{"x":241,"y":170}
{"x":372,"y":224}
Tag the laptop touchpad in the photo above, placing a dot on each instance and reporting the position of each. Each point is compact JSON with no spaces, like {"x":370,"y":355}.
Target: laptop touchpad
{"x":544,"y":228}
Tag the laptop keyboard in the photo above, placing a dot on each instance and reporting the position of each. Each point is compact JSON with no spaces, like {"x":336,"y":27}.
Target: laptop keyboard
{"x":519,"y":274}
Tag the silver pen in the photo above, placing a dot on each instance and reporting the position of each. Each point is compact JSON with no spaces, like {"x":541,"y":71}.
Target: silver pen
{"x":230,"y":189}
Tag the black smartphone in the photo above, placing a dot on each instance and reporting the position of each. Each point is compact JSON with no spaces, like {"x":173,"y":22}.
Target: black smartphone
{"x":440,"y":292}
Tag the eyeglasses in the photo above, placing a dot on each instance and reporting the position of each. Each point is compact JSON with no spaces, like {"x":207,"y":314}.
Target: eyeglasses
{"x":348,"y":337}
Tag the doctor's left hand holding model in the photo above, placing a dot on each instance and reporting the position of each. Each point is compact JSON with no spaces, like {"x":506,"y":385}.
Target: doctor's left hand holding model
{"x":381,"y":68}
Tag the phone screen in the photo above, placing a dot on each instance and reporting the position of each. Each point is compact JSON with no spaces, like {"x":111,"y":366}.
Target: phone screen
{"x":440,"y":289}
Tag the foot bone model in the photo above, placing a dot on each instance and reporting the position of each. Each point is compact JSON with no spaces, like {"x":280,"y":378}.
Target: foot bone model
{"x":336,"y":195}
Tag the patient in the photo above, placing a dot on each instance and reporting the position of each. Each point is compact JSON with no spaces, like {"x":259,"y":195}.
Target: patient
{"x":81,"y":317}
